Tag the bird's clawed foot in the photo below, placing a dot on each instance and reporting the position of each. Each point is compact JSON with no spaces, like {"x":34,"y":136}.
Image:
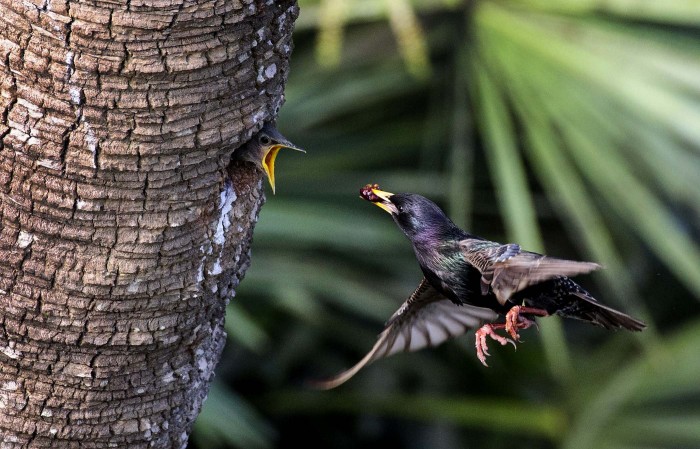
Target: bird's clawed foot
{"x":489,"y":330}
{"x":514,"y":320}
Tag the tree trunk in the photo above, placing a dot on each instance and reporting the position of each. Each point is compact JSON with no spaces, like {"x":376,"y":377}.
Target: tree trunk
{"x":124,"y":229}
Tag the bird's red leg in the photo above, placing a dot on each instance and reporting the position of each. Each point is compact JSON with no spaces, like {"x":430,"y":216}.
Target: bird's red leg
{"x":488,"y":330}
{"x":514,"y":320}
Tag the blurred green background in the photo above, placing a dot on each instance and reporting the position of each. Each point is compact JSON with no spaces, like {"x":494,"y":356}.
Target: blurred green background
{"x":571,"y":127}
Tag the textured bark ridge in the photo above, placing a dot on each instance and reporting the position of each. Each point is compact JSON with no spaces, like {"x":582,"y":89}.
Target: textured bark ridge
{"x":123,"y":229}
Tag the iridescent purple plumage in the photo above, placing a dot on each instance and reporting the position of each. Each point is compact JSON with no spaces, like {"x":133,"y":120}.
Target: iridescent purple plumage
{"x":468,"y":280}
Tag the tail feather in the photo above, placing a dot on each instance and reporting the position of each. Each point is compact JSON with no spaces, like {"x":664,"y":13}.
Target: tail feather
{"x":588,"y":309}
{"x":564,"y":297}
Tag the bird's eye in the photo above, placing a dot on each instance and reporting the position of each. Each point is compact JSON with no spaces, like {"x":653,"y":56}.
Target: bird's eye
{"x":264,"y":140}
{"x":400,"y":209}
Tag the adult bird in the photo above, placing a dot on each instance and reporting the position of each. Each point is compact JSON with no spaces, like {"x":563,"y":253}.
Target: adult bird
{"x":468,"y":280}
{"x":262,"y":150}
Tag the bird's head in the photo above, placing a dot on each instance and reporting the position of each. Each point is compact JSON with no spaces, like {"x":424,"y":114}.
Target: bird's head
{"x":417,"y":216}
{"x":262,"y":150}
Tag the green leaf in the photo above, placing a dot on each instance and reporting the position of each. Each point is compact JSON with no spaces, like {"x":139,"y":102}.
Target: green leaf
{"x":227,"y":419}
{"x":329,"y":40}
{"x":506,"y":164}
{"x":243,"y":329}
{"x":522,"y":418}
{"x":631,"y":407}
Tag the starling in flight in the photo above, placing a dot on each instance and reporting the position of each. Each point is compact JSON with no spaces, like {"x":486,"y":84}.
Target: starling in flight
{"x":262,"y":150}
{"x":468,"y":280}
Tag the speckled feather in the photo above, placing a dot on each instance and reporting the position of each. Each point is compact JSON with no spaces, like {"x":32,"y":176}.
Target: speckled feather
{"x":506,"y":269}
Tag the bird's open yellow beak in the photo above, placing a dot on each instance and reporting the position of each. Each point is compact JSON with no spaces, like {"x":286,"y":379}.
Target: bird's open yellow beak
{"x":384,"y":203}
{"x":268,"y":161}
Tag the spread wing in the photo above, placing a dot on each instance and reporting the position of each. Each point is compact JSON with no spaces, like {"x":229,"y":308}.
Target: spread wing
{"x":506,"y":269}
{"x":427,"y":318}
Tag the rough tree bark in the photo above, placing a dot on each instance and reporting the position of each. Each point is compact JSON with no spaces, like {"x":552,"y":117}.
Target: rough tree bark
{"x":124,"y":229}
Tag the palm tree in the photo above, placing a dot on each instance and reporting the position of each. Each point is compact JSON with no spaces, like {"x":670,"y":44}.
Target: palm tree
{"x":124,"y":227}
{"x":569,"y":127}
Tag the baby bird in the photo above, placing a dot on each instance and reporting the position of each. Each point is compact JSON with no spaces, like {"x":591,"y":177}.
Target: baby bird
{"x":262,"y":149}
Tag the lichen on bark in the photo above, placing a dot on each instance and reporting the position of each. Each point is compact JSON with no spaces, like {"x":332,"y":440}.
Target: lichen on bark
{"x":124,"y":229}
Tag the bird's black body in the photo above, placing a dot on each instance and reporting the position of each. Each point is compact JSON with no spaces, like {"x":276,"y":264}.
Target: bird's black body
{"x":448,"y":271}
{"x":437,"y":243}
{"x":469,"y":280}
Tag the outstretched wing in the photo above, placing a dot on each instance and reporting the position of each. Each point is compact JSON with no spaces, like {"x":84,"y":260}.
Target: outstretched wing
{"x":506,"y":269}
{"x":427,"y":318}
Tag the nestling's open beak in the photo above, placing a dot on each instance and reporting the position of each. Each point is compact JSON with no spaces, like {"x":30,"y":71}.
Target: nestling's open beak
{"x":268,"y":160}
{"x":384,"y":202}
